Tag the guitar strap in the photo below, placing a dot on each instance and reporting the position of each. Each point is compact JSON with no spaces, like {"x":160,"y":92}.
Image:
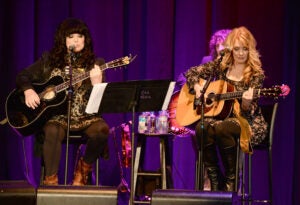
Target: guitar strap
{"x":246,"y":131}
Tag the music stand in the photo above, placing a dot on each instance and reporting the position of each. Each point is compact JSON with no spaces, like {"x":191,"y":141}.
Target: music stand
{"x":136,"y":96}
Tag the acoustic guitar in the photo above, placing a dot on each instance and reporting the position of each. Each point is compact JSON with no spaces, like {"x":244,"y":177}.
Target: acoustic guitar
{"x":218,"y":99}
{"x":52,"y":100}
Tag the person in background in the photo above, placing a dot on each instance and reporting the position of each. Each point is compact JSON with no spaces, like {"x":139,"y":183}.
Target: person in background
{"x":240,"y":67}
{"x":72,"y":47}
{"x":215,"y":46}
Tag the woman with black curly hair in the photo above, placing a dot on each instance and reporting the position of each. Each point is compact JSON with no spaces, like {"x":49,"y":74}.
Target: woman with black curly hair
{"x":72,"y":48}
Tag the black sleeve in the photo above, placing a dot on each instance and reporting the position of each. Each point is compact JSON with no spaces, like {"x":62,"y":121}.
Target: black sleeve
{"x":35,"y":73}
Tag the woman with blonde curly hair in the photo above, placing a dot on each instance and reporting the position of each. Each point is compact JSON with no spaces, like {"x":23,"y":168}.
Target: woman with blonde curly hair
{"x":252,"y":68}
{"x":240,"y":70}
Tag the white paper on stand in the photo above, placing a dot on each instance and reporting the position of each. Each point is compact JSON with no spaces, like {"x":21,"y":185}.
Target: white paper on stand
{"x":95,"y":98}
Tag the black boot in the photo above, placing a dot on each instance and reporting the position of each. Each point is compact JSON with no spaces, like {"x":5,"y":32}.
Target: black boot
{"x":212,"y":173}
{"x":229,"y":162}
{"x":211,"y":164}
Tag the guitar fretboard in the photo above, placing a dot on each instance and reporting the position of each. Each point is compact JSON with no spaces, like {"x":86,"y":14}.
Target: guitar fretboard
{"x":229,"y":96}
{"x":234,"y":95}
{"x":274,"y":92}
{"x":76,"y":79}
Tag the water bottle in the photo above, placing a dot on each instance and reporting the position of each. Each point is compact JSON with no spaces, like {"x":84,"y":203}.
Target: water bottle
{"x":142,"y":127}
{"x":150,"y":120}
{"x":162,"y":124}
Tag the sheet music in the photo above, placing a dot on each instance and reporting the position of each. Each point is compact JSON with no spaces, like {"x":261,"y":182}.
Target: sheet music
{"x":168,"y":95}
{"x":95,"y":98}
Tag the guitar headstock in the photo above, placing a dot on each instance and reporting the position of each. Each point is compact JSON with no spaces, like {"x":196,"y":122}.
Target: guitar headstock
{"x":275,"y":91}
{"x":285,"y":90}
{"x":119,"y":62}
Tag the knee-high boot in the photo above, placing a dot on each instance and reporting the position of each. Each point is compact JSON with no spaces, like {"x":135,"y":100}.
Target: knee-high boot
{"x":212,"y":166}
{"x":229,"y":162}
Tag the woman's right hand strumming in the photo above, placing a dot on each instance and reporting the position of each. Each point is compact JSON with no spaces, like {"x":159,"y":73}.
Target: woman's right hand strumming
{"x":32,"y":99}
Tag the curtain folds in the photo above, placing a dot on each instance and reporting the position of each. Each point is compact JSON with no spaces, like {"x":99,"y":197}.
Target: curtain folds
{"x":168,"y":37}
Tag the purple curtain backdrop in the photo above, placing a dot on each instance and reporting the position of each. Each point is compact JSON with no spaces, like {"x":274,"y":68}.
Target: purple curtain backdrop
{"x":168,"y":37}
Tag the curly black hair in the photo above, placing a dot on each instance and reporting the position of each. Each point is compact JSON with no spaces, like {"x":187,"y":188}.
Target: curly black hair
{"x":59,"y":52}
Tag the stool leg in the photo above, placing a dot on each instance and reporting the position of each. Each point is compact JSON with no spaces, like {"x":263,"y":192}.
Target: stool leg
{"x":250,"y":178}
{"x":237,"y":168}
{"x":25,"y":158}
{"x":197,"y":171}
{"x":97,"y":172}
{"x":270,"y":175}
{"x":136,"y":167}
{"x":243,"y":179}
{"x":163,"y":162}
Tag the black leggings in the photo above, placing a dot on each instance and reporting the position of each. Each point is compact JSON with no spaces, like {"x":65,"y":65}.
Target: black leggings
{"x":96,"y":133}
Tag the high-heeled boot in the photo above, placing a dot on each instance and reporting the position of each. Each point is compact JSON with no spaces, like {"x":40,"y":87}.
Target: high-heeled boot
{"x":51,"y":180}
{"x":81,"y":173}
{"x":212,"y":167}
{"x":229,"y":162}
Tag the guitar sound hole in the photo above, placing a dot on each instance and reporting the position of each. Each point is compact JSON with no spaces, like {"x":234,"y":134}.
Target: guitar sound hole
{"x":208,"y":101}
{"x":48,"y":94}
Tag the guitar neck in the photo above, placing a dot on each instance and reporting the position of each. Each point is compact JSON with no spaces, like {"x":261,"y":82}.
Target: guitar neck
{"x":112,"y":64}
{"x":77,"y":79}
{"x":234,"y":95}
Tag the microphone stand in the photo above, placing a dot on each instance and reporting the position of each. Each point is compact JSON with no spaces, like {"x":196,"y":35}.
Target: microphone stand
{"x":70,"y":95}
{"x":123,"y":186}
{"x":201,"y":102}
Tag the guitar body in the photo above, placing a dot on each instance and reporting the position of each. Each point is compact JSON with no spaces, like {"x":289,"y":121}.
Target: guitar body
{"x":27,"y":121}
{"x":172,"y":111}
{"x":186,"y":114}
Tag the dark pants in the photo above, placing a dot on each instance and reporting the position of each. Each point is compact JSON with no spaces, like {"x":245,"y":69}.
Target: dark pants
{"x":220,"y":136}
{"x":97,"y":136}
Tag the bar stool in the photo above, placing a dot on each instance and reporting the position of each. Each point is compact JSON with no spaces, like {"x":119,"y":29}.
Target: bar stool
{"x":139,"y":157}
{"x":269,"y":112}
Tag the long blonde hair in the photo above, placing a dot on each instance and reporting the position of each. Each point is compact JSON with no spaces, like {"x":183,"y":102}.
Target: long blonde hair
{"x":245,"y":37}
